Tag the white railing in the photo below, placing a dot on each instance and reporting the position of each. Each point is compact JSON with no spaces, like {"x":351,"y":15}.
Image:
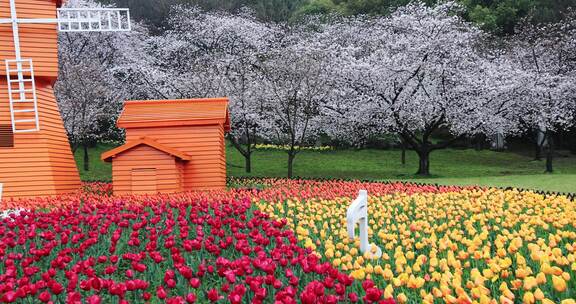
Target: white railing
{"x":94,"y":20}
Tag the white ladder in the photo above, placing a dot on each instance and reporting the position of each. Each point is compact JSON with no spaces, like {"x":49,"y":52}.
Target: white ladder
{"x":22,"y":95}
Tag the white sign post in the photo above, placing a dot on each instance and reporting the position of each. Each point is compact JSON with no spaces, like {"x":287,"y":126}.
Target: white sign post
{"x":358,"y":213}
{"x":1,"y":185}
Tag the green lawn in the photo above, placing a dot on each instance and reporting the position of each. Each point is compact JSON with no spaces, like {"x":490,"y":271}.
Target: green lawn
{"x":99,"y":170}
{"x":457,"y":167}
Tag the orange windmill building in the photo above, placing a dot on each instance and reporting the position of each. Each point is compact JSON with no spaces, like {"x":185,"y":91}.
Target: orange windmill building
{"x":35,"y":156}
{"x":171,"y":146}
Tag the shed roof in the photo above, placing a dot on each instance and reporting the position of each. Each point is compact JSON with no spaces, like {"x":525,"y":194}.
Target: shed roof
{"x":183,"y":112}
{"x":108,"y":156}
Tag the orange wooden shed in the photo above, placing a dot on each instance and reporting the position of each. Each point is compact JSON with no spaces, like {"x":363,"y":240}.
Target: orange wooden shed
{"x":34,"y":163}
{"x":171,"y":146}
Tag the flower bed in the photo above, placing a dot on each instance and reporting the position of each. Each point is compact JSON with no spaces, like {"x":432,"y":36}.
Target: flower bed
{"x":269,"y":189}
{"x":285,"y":240}
{"x":481,"y":245}
{"x":178,"y":253}
{"x":287,"y":147}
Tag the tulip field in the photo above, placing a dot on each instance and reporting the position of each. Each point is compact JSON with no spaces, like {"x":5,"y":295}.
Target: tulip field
{"x":285,"y":241}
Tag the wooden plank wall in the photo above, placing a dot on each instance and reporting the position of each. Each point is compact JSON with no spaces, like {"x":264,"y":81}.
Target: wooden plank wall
{"x":40,"y":163}
{"x":145,"y":157}
{"x":38,"y":41}
{"x":205,"y":145}
{"x":144,"y":181}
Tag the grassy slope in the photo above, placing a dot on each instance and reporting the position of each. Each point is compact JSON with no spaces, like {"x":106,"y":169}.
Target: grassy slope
{"x":462,"y":167}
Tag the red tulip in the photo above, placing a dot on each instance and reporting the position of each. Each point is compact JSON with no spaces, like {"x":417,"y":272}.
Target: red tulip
{"x":44,"y":296}
{"x":73,"y":298}
{"x":56,"y":288}
{"x":171,"y":283}
{"x":161,"y":293}
{"x":190,"y":298}
{"x":129,"y":273}
{"x":372,"y":295}
{"x":195,"y":282}
{"x":186,"y":272}
{"x":146,"y":296}
{"x":9,"y":297}
{"x":308,"y":297}
{"x":213,"y":295}
{"x":94,"y":299}
{"x":138,"y":267}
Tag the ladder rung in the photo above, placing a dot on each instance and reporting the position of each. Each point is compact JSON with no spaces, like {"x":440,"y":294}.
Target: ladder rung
{"x":24,"y":120}
{"x":20,"y":71}
{"x":22,"y":101}
{"x":24,"y":111}
{"x":23,"y":80}
{"x":19,"y":60}
{"x":22,"y":91}
{"x":27,"y":130}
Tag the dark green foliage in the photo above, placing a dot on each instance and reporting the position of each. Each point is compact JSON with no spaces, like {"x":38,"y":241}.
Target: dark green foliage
{"x":501,"y":16}
{"x":498,"y":16}
{"x":155,"y":12}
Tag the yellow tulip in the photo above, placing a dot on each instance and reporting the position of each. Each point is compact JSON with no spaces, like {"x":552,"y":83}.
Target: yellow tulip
{"x":528,"y":298}
{"x":530,"y":282}
{"x":336,"y":262}
{"x":505,"y":300}
{"x":558,"y":283}
{"x":388,"y":292}
{"x":358,"y":274}
{"x":538,"y":294}
{"x":508,"y":294}
{"x":402,"y":298}
{"x":387,"y":274}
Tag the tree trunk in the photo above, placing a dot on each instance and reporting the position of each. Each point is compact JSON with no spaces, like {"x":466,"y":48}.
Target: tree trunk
{"x":424,"y":164}
{"x":549,"y":154}
{"x":403,"y":157}
{"x":291,"y":157}
{"x":538,"y":152}
{"x":246,"y":153}
{"x":480,"y":141}
{"x":540,"y":141}
{"x":86,"y":158}
{"x":248,"y":162}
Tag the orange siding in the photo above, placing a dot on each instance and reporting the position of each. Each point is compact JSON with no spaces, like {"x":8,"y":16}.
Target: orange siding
{"x":127,"y":165}
{"x":40,"y":163}
{"x":144,"y":181}
{"x":185,"y":112}
{"x":37,"y":41}
{"x":204,"y":144}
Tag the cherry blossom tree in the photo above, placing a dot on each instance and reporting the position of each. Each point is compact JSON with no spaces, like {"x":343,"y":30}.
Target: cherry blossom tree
{"x":418,"y":72}
{"x":88,"y":94}
{"x":548,"y":53}
{"x":209,"y":54}
{"x":297,"y":82}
